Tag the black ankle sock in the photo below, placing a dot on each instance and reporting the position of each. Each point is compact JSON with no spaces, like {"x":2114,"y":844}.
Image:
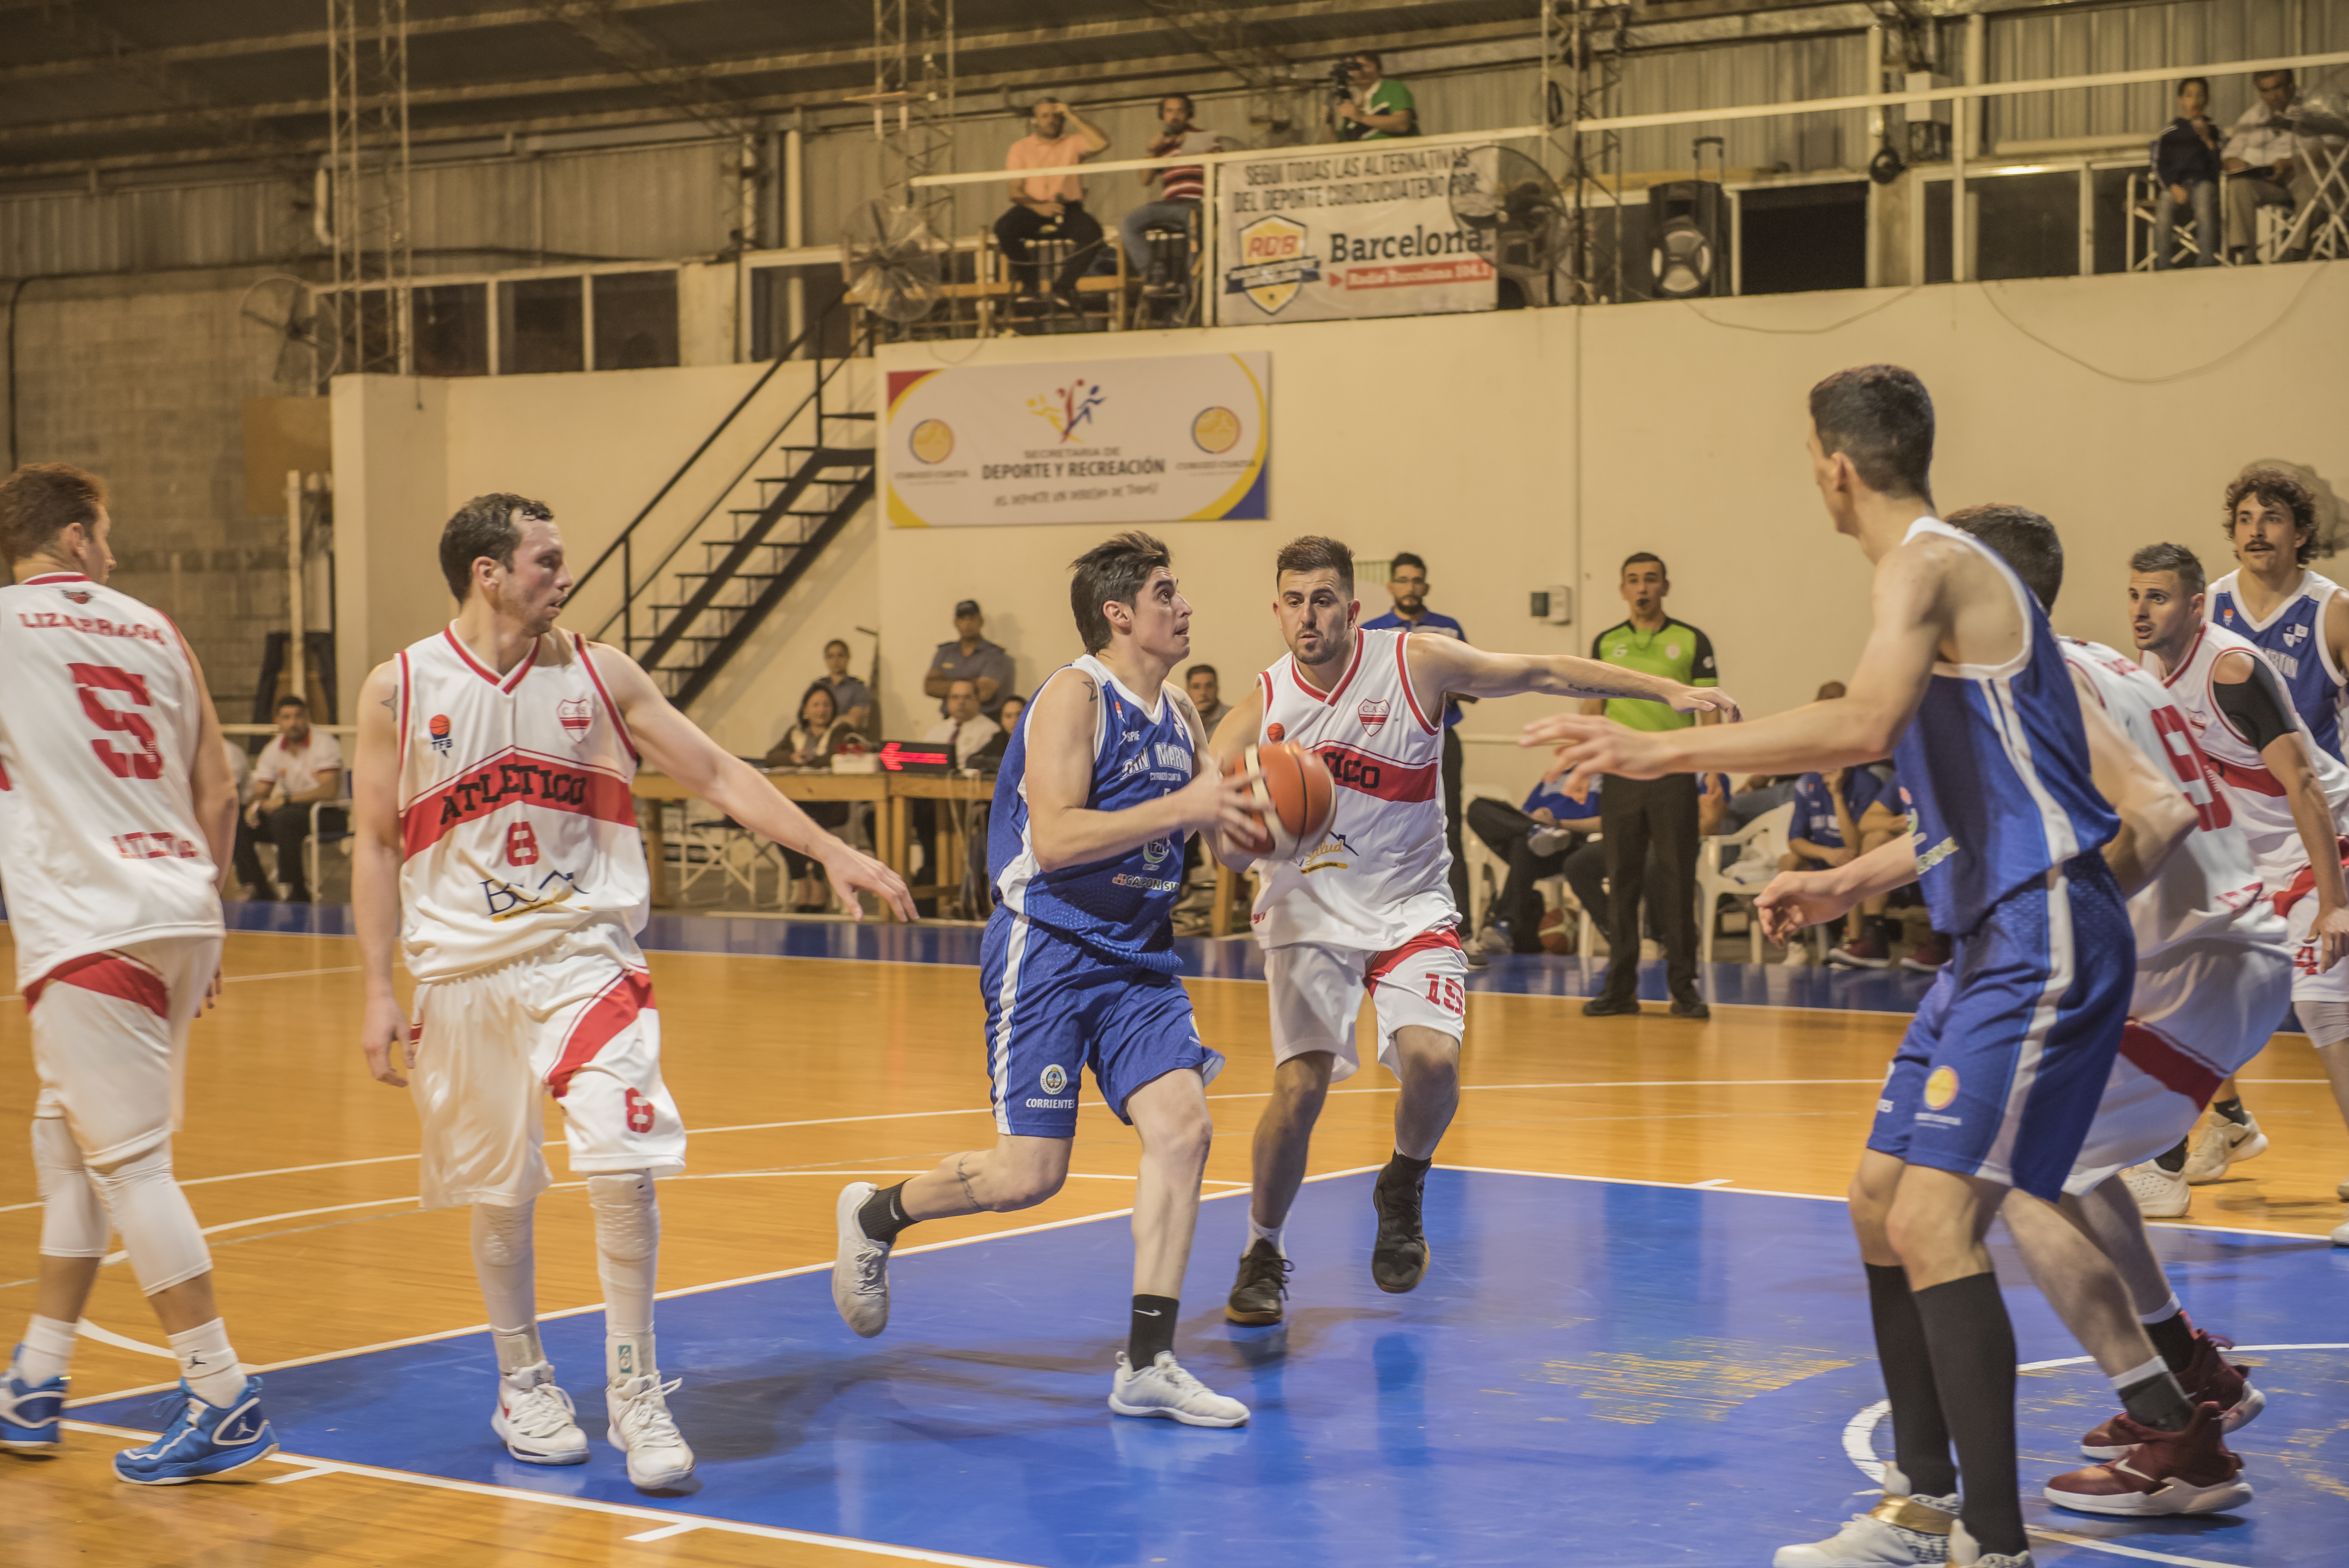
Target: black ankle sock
{"x":1153,"y":1330}
{"x":1973,"y":1342}
{"x":2159,"y":1402}
{"x":1402,"y":1170}
{"x":1921,"y":1441}
{"x":2174,"y":1338}
{"x":2232,"y":1110}
{"x":1872,"y":928}
{"x":884,"y":1213}
{"x":2173,"y":1160}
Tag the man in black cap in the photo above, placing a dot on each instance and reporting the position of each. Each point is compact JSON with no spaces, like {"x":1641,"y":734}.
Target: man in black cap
{"x":970,"y":657}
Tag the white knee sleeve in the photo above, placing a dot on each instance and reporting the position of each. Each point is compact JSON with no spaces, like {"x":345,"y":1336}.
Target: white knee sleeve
{"x":504,"y":1262}
{"x":628,"y":1246}
{"x":158,"y":1228}
{"x":73,"y":1220}
{"x":2328,"y":1023}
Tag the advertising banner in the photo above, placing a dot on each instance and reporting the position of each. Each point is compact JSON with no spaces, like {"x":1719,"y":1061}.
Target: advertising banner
{"x":1182,"y":439}
{"x":1338,"y":232}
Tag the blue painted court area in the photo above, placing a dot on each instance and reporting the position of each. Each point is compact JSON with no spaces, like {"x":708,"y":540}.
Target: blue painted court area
{"x":1595,"y":1373}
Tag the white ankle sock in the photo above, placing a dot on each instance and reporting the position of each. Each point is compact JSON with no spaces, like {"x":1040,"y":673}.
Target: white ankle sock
{"x":517,"y":1349}
{"x":48,"y":1350}
{"x":208,"y":1363}
{"x":628,"y":1356}
{"x":1266,"y":1233}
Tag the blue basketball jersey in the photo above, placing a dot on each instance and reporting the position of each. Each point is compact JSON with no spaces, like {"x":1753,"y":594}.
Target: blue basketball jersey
{"x":1995,"y":765}
{"x":2293,"y":638}
{"x":1122,"y":907}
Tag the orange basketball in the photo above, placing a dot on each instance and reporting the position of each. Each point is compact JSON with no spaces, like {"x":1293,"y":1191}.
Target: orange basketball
{"x":1294,"y":798}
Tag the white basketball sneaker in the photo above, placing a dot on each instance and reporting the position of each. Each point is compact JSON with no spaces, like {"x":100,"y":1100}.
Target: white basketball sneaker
{"x":643,"y":1429}
{"x":534,"y":1418}
{"x":860,"y":1270}
{"x":1163,"y":1388}
{"x":1967,"y":1552}
{"x":2161,"y":1195}
{"x":2222,"y":1143}
{"x":1901,"y":1531}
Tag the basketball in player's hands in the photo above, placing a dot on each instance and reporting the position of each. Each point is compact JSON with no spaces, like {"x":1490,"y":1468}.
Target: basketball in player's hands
{"x":1293,"y":799}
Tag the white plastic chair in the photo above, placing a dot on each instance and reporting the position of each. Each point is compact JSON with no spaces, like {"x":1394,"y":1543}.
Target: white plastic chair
{"x":1760,"y":844}
{"x":348,"y":807}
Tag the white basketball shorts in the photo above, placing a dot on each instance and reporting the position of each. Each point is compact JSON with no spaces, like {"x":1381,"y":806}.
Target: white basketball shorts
{"x":575,"y":1020}
{"x":1317,"y":992}
{"x":2198,"y":1013}
{"x":110,"y":1041}
{"x":2307,"y":984}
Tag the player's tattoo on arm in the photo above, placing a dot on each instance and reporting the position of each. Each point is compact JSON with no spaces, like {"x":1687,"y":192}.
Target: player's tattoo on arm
{"x":969,"y":1196}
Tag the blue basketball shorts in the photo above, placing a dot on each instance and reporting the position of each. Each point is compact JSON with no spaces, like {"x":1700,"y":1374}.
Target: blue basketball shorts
{"x":1055,"y":1007}
{"x":2001,"y":1070}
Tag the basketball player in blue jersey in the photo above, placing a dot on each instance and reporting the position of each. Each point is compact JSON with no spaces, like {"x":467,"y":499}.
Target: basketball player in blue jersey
{"x":2300,"y":619}
{"x":1106,"y":773}
{"x":1962,"y":683}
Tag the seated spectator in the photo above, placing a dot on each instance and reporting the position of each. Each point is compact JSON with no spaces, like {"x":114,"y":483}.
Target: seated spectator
{"x":2185,"y":170}
{"x":2269,"y":166}
{"x":299,"y":769}
{"x":1374,"y":109}
{"x":1180,"y":187}
{"x":971,"y":657}
{"x":1533,"y":840}
{"x":851,"y":699}
{"x":810,"y":743}
{"x":1872,"y":943}
{"x":1051,"y":206}
{"x":1205,"y":690}
{"x":989,"y":758}
{"x":1585,"y":867}
{"x":1764,"y":792}
{"x":968,"y":731}
{"x":240,"y":770}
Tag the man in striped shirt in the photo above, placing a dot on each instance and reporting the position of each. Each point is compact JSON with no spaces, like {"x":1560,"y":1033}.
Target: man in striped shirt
{"x":1181,"y":187}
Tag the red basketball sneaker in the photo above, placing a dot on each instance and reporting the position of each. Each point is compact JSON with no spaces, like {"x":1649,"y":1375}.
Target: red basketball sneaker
{"x":2188,"y":1472}
{"x":2210,"y":1379}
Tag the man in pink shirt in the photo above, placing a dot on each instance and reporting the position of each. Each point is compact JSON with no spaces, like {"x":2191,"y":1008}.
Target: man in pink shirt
{"x":1051,"y":206}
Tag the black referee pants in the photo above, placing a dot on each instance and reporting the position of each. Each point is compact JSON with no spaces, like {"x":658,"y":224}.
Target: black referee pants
{"x":1642,"y":818}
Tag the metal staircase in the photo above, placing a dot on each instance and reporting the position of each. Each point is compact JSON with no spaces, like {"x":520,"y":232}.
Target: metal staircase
{"x":686,"y":616}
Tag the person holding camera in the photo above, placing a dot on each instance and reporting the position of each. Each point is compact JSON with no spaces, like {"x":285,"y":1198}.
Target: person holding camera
{"x":1369,"y":107}
{"x":1051,"y":206}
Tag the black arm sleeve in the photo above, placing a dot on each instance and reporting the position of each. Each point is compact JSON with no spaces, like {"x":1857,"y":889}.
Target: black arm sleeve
{"x":2258,"y":707}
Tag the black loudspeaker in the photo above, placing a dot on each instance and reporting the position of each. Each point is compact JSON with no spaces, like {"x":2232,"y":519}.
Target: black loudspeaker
{"x":1688,"y":246}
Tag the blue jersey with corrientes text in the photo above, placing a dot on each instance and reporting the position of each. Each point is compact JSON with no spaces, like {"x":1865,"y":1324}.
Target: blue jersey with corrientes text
{"x":1995,"y":767}
{"x":1122,"y":907}
{"x":2293,"y":638}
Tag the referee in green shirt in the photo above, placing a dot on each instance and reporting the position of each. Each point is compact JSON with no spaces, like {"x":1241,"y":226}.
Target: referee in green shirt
{"x":1640,"y":817}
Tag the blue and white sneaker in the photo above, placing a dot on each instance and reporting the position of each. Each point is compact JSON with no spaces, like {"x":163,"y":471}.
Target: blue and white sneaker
{"x":202,"y":1440}
{"x":28,"y":1412}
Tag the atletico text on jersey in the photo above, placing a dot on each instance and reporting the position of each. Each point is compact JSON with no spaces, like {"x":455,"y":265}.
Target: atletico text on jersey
{"x":2255,"y":796}
{"x":1122,"y":907}
{"x":1995,"y":765}
{"x":1379,"y":875}
{"x":2292,"y":636}
{"x":101,"y":716}
{"x":515,"y":815}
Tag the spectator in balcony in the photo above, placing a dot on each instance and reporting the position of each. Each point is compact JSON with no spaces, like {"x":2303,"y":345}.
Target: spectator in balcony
{"x":1051,"y":206}
{"x":2270,"y":168}
{"x":1374,"y":109}
{"x":971,"y":657}
{"x":1207,"y":694}
{"x":301,"y":767}
{"x":1181,"y":186}
{"x":851,"y":699}
{"x":2186,"y":167}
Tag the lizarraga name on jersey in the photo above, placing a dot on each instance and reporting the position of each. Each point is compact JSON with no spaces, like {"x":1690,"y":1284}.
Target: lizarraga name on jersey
{"x":95,"y":625}
{"x":154,"y":846}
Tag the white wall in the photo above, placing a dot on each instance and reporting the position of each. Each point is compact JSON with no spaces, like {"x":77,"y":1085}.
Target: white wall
{"x":1510,"y":449}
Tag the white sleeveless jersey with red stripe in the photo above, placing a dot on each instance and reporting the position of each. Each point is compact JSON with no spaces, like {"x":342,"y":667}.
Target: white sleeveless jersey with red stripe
{"x":1379,"y":875}
{"x":2208,"y":888}
{"x":2255,"y":795}
{"x":514,"y":812}
{"x":101,"y":716}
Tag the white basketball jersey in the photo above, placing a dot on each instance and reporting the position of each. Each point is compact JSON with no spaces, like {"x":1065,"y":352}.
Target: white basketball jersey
{"x":2208,"y":888}
{"x":1379,"y":876}
{"x":101,"y":716}
{"x":514,"y":811}
{"x":2255,"y":795}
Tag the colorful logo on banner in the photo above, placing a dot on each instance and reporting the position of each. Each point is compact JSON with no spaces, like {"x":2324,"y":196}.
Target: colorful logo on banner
{"x":932,"y":442}
{"x":1273,"y":263}
{"x":1068,"y":407}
